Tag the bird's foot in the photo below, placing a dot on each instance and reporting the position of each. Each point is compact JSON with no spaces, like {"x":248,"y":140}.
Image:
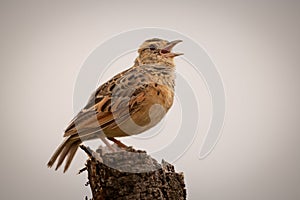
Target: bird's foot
{"x":118,"y":143}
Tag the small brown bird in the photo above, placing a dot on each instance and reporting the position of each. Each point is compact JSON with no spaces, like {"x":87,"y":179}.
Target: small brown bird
{"x":130,"y":103}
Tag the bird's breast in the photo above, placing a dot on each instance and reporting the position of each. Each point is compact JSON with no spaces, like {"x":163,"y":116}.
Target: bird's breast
{"x":157,"y":101}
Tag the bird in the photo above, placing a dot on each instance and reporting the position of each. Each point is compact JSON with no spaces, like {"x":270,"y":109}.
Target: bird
{"x":130,"y":103}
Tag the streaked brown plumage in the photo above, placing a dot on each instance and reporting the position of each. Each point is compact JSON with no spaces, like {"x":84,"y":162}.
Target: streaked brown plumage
{"x":131,"y":102}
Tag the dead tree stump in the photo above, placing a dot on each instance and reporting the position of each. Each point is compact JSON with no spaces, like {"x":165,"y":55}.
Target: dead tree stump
{"x":132,"y":174}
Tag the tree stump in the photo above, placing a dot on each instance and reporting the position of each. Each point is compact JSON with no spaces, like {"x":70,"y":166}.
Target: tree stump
{"x":132,"y":174}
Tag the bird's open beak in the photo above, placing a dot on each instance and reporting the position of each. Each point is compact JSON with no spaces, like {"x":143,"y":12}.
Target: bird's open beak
{"x":166,"y":51}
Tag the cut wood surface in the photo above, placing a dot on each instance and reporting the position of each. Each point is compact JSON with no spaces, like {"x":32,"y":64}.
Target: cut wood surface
{"x":132,"y":174}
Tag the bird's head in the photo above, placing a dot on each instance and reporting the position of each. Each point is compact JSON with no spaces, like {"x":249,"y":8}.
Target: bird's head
{"x":157,"y":51}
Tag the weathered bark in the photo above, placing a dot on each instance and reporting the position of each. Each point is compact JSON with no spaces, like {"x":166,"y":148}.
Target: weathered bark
{"x":132,"y":174}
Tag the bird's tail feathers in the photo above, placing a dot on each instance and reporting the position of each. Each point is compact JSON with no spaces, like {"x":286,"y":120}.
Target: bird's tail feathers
{"x":66,"y":151}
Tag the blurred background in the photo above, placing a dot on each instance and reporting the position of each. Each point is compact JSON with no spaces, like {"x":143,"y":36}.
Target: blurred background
{"x":254,"y":44}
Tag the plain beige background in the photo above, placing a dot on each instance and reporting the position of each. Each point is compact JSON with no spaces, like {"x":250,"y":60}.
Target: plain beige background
{"x":255,"y":45}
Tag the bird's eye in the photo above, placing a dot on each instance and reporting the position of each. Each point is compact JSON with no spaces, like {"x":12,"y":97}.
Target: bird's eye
{"x":152,"y":47}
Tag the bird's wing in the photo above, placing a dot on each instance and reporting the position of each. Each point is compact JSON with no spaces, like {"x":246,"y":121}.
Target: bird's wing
{"x":113,"y":101}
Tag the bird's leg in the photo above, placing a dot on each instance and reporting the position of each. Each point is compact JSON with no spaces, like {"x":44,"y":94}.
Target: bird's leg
{"x":103,"y":138}
{"x":118,"y":142}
